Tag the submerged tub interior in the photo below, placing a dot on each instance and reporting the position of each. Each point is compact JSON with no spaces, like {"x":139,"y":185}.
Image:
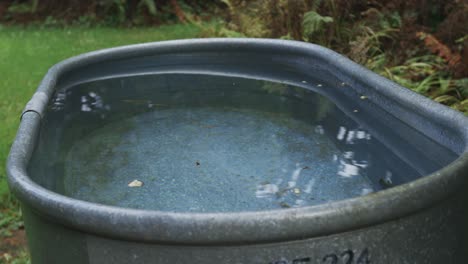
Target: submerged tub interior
{"x":205,"y":142}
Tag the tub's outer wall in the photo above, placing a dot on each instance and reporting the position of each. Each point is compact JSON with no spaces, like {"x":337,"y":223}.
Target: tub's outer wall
{"x":420,"y":222}
{"x":428,"y":236}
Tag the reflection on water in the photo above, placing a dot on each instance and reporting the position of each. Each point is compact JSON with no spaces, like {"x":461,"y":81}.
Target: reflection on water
{"x":266,"y":190}
{"x":208,"y":144}
{"x":349,"y":166}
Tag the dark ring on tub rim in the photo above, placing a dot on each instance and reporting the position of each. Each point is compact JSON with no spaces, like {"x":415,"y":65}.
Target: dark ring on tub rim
{"x":233,"y":228}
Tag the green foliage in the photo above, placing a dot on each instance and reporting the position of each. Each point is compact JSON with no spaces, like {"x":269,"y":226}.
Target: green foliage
{"x":393,"y":20}
{"x":228,"y":4}
{"x":102,"y":12}
{"x":34,"y":5}
{"x":426,"y":75}
{"x":244,"y":22}
{"x":85,"y":21}
{"x":116,"y":8}
{"x":20,"y":8}
{"x":367,"y":34}
{"x":10,"y":222}
{"x":21,"y":257}
{"x":50,"y":21}
{"x":418,"y":74}
{"x":313,"y":23}
{"x":216,"y":28}
{"x":151,"y":5}
{"x":10,"y":216}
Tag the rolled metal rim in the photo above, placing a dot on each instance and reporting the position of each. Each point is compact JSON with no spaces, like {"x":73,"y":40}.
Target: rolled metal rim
{"x":244,"y":227}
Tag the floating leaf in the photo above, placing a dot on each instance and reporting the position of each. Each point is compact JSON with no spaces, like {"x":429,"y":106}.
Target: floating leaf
{"x":135,"y":183}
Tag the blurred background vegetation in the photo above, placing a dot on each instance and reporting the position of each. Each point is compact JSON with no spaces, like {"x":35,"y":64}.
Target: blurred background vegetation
{"x":420,"y":44}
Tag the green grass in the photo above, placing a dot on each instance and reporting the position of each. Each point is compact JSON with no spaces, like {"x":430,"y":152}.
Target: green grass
{"x":27,"y":53}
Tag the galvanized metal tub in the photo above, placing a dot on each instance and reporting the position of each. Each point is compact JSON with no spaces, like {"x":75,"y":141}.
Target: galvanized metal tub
{"x":422,"y":221}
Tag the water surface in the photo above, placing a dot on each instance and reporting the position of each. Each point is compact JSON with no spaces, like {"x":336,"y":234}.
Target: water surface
{"x":200,"y":143}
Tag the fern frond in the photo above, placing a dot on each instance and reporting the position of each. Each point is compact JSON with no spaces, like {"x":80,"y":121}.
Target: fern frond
{"x":313,"y":22}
